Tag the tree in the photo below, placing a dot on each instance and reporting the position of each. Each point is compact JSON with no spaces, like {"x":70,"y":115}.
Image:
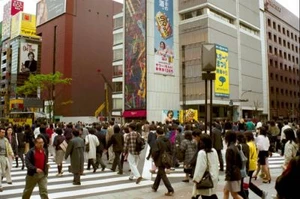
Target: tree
{"x":46,"y":83}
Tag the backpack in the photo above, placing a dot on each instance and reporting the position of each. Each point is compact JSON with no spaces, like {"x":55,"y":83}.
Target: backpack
{"x":140,"y":143}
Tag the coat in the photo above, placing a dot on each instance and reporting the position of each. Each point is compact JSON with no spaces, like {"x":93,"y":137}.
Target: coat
{"x":252,"y":156}
{"x":117,"y":141}
{"x":233,"y":164}
{"x":75,"y":150}
{"x":201,"y":166}
{"x":189,"y":147}
{"x":30,"y":163}
{"x":161,"y":144}
{"x":94,"y":142}
{"x":217,"y":139}
{"x":102,"y":142}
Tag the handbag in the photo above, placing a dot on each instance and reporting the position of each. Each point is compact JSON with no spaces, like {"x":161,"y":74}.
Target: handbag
{"x":87,"y":146}
{"x":206,"y":181}
{"x":244,"y":162}
{"x":64,"y":145}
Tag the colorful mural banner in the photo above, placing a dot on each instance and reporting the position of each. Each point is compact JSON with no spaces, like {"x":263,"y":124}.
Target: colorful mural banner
{"x":28,"y":58}
{"x":222,"y":72}
{"x":49,"y":9}
{"x":135,"y":54}
{"x":188,"y":115}
{"x":23,"y":24}
{"x":170,"y":115}
{"x":6,"y":21}
{"x":163,"y":37}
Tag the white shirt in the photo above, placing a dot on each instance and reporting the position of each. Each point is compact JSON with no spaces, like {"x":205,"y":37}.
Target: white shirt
{"x":282,"y":131}
{"x":36,"y":132}
{"x":262,"y":143}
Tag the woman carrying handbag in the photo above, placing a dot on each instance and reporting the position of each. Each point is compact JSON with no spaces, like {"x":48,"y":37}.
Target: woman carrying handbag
{"x":206,"y":166}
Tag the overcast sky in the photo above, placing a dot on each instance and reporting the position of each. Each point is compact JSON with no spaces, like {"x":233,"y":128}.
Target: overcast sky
{"x":30,"y":6}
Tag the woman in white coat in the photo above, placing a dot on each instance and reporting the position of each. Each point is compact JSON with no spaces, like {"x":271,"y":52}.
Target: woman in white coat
{"x":93,"y":142}
{"x":207,"y":157}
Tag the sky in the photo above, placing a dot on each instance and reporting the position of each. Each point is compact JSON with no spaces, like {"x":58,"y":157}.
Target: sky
{"x":30,"y":6}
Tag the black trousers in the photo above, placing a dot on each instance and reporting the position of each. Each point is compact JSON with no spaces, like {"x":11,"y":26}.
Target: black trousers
{"x":161,"y":175}
{"x":117,"y":162}
{"x":253,"y":187}
{"x":220,"y":160}
{"x":206,"y":197}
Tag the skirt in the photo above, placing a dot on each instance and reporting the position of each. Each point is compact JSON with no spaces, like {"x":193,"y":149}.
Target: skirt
{"x":59,"y":157}
{"x":233,"y":186}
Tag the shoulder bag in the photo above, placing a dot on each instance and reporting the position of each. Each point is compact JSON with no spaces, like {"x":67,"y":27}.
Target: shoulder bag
{"x":206,"y":181}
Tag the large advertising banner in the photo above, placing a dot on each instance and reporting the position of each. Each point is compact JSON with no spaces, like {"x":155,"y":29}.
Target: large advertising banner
{"x":135,"y":54}
{"x":6,"y":21}
{"x":189,"y":115}
{"x":49,"y":9}
{"x":222,"y":72}
{"x":28,"y":58}
{"x":16,"y":6}
{"x":163,"y":37}
{"x":23,"y":24}
{"x":170,"y":115}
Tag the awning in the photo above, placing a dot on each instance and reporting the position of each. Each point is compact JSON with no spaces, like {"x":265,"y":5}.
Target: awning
{"x":135,"y":113}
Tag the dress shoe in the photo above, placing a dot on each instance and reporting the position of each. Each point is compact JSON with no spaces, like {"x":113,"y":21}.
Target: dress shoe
{"x":95,"y":169}
{"x":120,"y":173}
{"x":138,"y":180}
{"x":76,"y":183}
{"x":170,"y":193}
{"x":1,"y":189}
{"x":153,"y":189}
{"x":9,"y":182}
{"x":185,"y":180}
{"x":113,"y":170}
{"x":103,"y":168}
{"x":22,"y":167}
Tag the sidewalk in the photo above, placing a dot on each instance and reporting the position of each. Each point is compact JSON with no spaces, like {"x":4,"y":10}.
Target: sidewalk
{"x":184,"y":190}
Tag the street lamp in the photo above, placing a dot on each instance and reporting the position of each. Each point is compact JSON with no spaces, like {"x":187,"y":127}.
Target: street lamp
{"x":245,"y":92}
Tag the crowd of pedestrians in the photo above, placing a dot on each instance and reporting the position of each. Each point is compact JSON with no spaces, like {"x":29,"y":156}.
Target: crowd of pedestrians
{"x":248,"y":146}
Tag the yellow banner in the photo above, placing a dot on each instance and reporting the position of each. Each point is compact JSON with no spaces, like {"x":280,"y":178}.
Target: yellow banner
{"x":20,"y":121}
{"x":100,"y":108}
{"x":23,"y":24}
{"x":222,"y":72}
{"x":188,"y":115}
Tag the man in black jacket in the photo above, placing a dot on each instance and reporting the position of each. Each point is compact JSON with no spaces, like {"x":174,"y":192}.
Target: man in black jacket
{"x":37,"y":169}
{"x":218,"y":144}
{"x":100,"y":148}
{"x":161,"y":144}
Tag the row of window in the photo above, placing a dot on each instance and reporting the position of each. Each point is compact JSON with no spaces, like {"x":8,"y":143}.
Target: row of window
{"x":286,"y":105}
{"x":286,"y":56}
{"x":283,"y":30}
{"x":285,"y":67}
{"x":283,"y":42}
{"x":284,"y":79}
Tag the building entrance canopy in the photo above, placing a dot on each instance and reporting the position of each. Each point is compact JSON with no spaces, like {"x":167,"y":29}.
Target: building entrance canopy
{"x":134,"y":113}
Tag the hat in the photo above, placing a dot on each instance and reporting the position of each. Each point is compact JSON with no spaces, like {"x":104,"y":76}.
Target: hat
{"x":258,"y":125}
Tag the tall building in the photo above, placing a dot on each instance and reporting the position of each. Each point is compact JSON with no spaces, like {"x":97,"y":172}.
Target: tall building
{"x":76,"y":41}
{"x":283,"y":44}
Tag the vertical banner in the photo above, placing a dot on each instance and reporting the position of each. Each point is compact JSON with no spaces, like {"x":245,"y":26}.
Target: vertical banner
{"x":170,"y":115}
{"x":28,"y":57}
{"x":135,"y":54}
{"x":222,"y":72}
{"x":163,"y":37}
{"x":6,"y":21}
{"x":16,"y":6}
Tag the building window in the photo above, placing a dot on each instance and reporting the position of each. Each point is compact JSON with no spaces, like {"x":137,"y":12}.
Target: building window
{"x":290,"y":69}
{"x":292,"y":35}
{"x":288,"y":33}
{"x":270,"y":49}
{"x":118,"y":38}
{"x":289,"y":56}
{"x":296,"y":38}
{"x":281,"y":78}
{"x":281,"y":91}
{"x":248,"y":29}
{"x":284,"y":55}
{"x":191,"y":14}
{"x":279,"y":28}
{"x":292,"y":47}
{"x":296,"y":49}
{"x":293,"y":59}
{"x":272,"y":89}
{"x":284,"y":79}
{"x":118,"y":23}
{"x":271,"y":62}
{"x":117,"y":103}
{"x":276,"y":64}
{"x":288,"y":44}
{"x":275,"y":38}
{"x":117,"y":70}
{"x":275,"y":51}
{"x":284,"y":44}
{"x":280,"y":53}
{"x":270,"y":35}
{"x":283,"y":31}
{"x":269,"y":22}
{"x":276,"y":77}
{"x":279,"y":40}
{"x":271,"y":77}
{"x":117,"y":54}
{"x":282,"y":104}
{"x":281,"y":66}
{"x":118,"y":87}
{"x":272,"y":104}
{"x":285,"y":67}
{"x":297,"y":60}
{"x":274,"y":25}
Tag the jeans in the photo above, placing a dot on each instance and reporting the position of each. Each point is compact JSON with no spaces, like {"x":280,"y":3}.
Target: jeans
{"x":31,"y":181}
{"x":161,"y":175}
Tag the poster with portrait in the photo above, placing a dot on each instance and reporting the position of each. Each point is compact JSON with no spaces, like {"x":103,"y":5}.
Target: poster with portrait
{"x":135,"y":55}
{"x":170,"y":115}
{"x":163,"y":37}
{"x":188,"y":115}
{"x":49,"y":9}
{"x":28,"y":58}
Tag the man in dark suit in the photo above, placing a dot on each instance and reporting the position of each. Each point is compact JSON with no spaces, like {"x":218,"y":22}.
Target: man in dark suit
{"x":30,"y":65}
{"x":218,"y":144}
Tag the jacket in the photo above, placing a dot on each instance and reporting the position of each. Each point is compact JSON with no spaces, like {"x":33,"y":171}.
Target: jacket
{"x":217,"y":139}
{"x":161,"y":144}
{"x":30,"y":163}
{"x":252,"y":156}
{"x":117,"y":141}
{"x":233,"y":164}
{"x":102,"y":141}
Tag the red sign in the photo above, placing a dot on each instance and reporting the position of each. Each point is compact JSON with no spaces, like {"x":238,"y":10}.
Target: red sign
{"x":16,"y":6}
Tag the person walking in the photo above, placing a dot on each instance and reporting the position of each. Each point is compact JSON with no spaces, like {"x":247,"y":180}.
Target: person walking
{"x":233,"y":167}
{"x":29,"y":138}
{"x":59,"y":152}
{"x":161,"y":145}
{"x":117,"y":142}
{"x":14,"y":145}
{"x":133,"y":155}
{"x":207,"y":159}
{"x":218,"y":144}
{"x":290,"y":148}
{"x":151,"y":140}
{"x":75,"y":151}
{"x":93,"y":142}
{"x":100,"y":148}
{"x":37,"y":169}
{"x":109,"y":134}
{"x":5,"y":152}
{"x":21,"y":140}
{"x":189,"y":148}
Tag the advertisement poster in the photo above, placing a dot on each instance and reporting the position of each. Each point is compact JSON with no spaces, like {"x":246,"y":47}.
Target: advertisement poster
{"x":188,"y":115}
{"x":170,"y":115}
{"x":135,"y":54}
{"x":222,"y":72}
{"x":163,"y":37}
{"x":6,"y":21}
{"x":16,"y":6}
{"x":28,"y":58}
{"x":49,"y":9}
{"x":23,"y":24}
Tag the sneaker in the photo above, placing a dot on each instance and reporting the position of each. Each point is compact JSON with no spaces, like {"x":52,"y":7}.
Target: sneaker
{"x":264,"y":195}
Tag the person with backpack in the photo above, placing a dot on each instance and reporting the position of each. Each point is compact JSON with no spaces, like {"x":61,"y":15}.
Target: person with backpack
{"x":162,"y":145}
{"x":130,"y":145}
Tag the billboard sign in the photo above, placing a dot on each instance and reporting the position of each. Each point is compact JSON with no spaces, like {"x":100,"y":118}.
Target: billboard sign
{"x":28,"y":58}
{"x":23,"y":24}
{"x":49,"y":9}
{"x":188,"y":115}
{"x":135,"y":55}
{"x":16,"y":6}
{"x":222,"y":72}
{"x":170,"y":115}
{"x":163,"y":37}
{"x":6,"y":21}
